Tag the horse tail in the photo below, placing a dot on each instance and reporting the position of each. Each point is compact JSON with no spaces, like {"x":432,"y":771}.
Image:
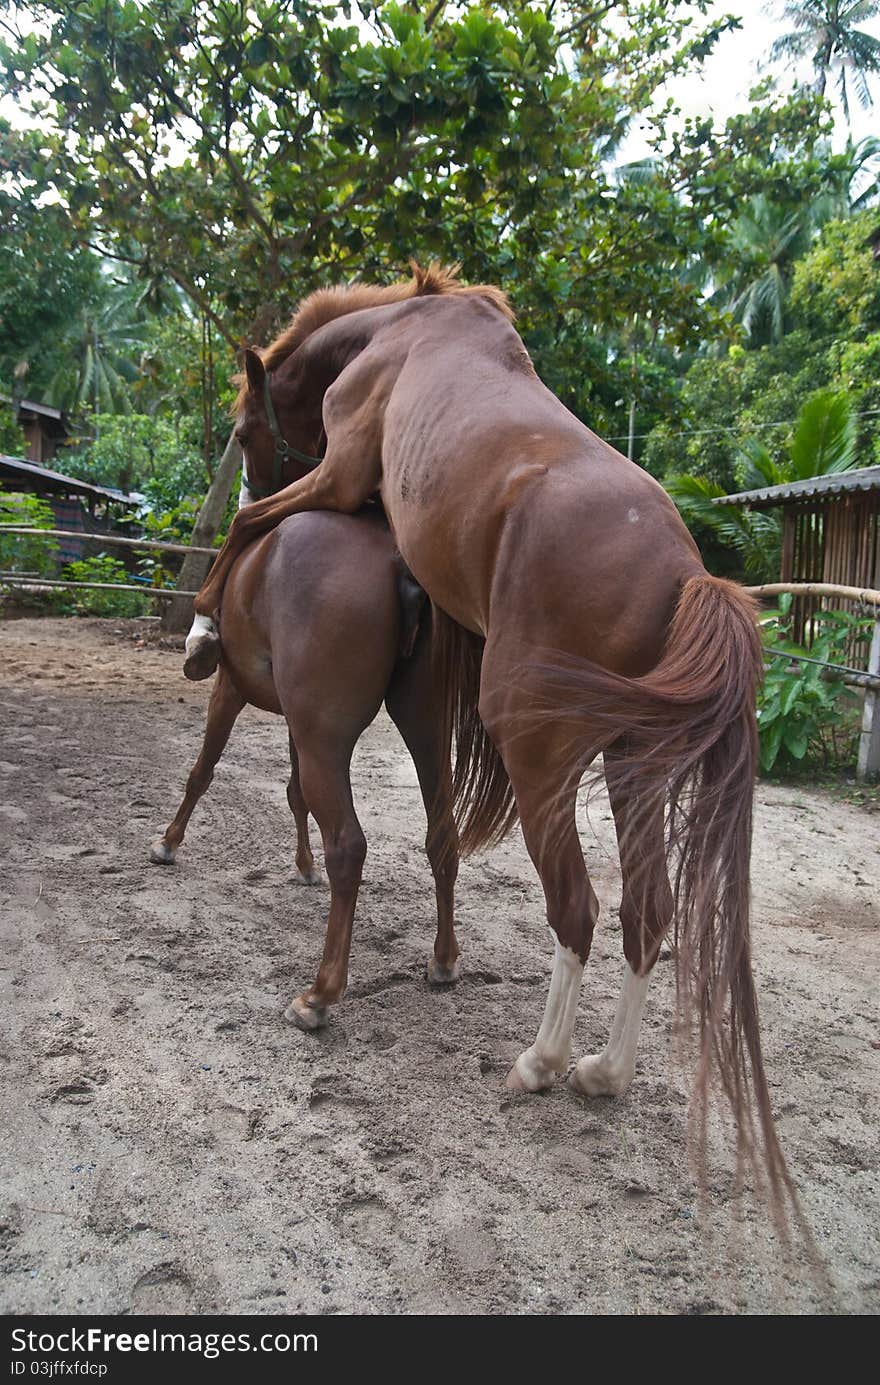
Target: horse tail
{"x":689,"y":729}
{"x":482,"y":801}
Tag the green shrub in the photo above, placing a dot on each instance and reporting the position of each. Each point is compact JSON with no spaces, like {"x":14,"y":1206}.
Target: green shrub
{"x":806,"y":715}
{"x":12,"y":439}
{"x":90,"y":602}
{"x":20,"y":554}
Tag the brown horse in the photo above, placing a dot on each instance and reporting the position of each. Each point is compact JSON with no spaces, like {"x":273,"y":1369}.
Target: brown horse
{"x":602,"y":631}
{"x":311,"y":629}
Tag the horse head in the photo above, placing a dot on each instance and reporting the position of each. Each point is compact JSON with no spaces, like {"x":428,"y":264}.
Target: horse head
{"x":278,"y":427}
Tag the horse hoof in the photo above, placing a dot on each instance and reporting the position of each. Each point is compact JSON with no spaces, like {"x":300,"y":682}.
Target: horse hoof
{"x":202,"y":659}
{"x":161,"y":855}
{"x":306,"y":1016}
{"x":591,"y":1077}
{"x":514,"y":1082}
{"x":309,"y":877}
{"x":439,"y":975}
{"x":529,"y":1074}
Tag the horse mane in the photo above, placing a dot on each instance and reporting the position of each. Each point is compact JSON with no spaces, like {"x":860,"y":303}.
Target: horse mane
{"x":324,"y":305}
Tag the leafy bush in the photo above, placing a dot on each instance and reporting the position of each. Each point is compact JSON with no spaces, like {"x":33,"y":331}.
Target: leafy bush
{"x":20,"y":554}
{"x":90,"y":602}
{"x":805,"y":712}
{"x":141,"y":453}
{"x":12,"y":439}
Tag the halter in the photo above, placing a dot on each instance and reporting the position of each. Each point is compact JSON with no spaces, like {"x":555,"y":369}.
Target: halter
{"x":283,"y":450}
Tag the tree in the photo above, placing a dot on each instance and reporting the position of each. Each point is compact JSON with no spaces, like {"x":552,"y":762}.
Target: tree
{"x":46,"y":281}
{"x":826,"y":32}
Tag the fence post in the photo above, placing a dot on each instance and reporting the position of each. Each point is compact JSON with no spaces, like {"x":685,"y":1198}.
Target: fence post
{"x":869,"y":741}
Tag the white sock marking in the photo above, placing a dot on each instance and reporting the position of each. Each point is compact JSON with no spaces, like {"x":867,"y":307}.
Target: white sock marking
{"x":610,"y":1072}
{"x":549,"y":1054}
{"x":201,"y":626}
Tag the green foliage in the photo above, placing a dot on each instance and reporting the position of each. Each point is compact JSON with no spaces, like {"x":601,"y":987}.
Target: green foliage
{"x":175,"y":525}
{"x":248,"y":154}
{"x":12,"y":439}
{"x":824,"y":441}
{"x":45,"y":278}
{"x":21,"y":554}
{"x":139,"y":453}
{"x":90,"y":602}
{"x":836,"y":287}
{"x":805,"y":713}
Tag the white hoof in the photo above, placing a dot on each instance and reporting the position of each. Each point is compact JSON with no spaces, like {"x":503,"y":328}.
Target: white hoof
{"x":595,"y":1076}
{"x":440,"y":975}
{"x":304,"y":1015}
{"x":530,"y":1073}
{"x":161,"y":855}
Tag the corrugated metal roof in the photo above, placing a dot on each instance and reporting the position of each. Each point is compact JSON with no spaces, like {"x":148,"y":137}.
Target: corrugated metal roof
{"x":866,"y":479}
{"x":55,"y":480}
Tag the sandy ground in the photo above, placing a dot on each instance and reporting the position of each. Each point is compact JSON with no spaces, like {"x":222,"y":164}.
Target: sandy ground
{"x":170,"y":1143}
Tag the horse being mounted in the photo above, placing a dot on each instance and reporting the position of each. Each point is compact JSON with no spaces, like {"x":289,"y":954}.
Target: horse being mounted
{"x":602,"y":629}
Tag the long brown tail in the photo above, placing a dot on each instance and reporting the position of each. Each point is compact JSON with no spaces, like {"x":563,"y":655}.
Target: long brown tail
{"x":690,"y":725}
{"x":482,"y":800}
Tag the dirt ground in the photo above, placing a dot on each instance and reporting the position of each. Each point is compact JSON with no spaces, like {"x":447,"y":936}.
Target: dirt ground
{"x":171,"y":1144}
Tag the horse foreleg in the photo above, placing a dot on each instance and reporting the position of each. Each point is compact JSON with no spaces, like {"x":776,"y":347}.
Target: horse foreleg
{"x":344,"y":481}
{"x":223,"y":709}
{"x":645,"y":916}
{"x":326,"y":786}
{"x":305,"y":861}
{"x":411,"y":703}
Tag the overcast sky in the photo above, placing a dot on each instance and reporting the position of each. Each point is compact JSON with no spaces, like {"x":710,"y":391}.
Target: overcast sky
{"x":728,"y":75}
{"x":723,"y":87}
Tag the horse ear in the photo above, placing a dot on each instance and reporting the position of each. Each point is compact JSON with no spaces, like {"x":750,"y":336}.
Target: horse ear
{"x":254,"y":370}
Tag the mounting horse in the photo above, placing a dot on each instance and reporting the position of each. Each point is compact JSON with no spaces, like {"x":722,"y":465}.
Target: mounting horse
{"x":580,"y":619}
{"x":312,"y":628}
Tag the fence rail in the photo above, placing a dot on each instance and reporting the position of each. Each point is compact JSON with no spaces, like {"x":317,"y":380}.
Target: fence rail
{"x":16,"y":579}
{"x":866,"y":596}
{"x":112,"y":539}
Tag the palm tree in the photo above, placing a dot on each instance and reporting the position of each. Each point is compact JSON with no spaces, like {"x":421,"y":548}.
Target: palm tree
{"x":766,"y":240}
{"x":826,"y":32}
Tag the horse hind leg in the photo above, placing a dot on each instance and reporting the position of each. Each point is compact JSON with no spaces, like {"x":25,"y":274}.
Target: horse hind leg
{"x":326,"y":787}
{"x":572,"y":910}
{"x":223,"y":709}
{"x":645,"y":915}
{"x":546,"y":803}
{"x":411,"y":704}
{"x":305,"y":861}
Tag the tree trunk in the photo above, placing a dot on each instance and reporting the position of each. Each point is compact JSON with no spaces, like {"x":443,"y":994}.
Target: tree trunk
{"x":178,"y":614}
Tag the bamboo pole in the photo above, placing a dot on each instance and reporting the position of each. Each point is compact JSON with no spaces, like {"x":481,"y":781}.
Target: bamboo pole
{"x":865,"y":595}
{"x":13,"y":579}
{"x":108,"y":539}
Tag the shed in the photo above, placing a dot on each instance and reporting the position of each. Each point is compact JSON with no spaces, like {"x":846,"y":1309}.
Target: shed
{"x":44,"y":427}
{"x":830,"y":532}
{"x":78,"y":506}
